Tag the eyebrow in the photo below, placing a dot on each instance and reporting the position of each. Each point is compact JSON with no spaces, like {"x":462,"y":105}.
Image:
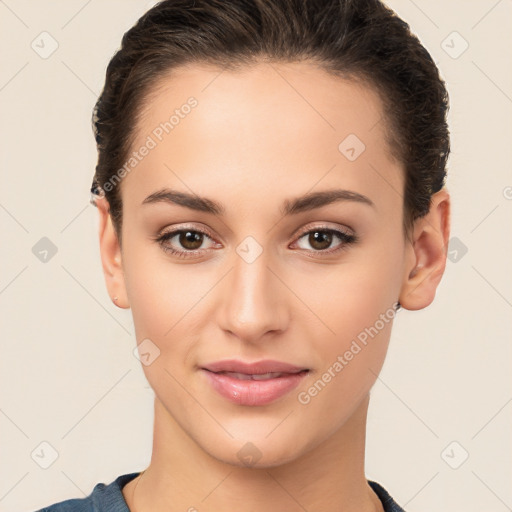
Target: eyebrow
{"x":297,"y":205}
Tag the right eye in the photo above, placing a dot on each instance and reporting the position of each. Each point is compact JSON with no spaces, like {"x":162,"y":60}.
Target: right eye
{"x":189,"y":242}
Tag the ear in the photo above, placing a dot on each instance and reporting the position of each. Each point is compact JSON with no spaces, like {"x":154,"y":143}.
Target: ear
{"x":110,"y":252}
{"x":427,"y":254}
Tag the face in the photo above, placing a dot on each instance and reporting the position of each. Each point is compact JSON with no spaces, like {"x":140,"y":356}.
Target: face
{"x":251,"y":259}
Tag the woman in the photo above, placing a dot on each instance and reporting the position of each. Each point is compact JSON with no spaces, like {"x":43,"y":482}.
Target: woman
{"x":270,"y":186}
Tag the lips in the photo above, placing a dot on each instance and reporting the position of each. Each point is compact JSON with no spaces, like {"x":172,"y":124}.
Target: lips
{"x":258,"y":383}
{"x":256,"y":368}
{"x":253,"y":376}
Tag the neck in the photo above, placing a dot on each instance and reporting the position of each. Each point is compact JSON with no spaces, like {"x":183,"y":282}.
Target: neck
{"x":183,"y":476}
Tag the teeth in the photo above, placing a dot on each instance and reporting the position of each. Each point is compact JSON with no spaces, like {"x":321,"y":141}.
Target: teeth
{"x":264,"y":376}
{"x":244,"y":376}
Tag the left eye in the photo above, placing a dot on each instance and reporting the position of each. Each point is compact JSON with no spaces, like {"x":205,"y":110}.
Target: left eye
{"x":191,"y":240}
{"x":321,"y":239}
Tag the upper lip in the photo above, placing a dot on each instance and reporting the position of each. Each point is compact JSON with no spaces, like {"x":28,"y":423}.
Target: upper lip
{"x":255,"y":368}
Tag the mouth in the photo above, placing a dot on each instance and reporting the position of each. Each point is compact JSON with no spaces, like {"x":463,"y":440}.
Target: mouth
{"x":266,"y":366}
{"x":253,"y":384}
{"x":259,"y":376}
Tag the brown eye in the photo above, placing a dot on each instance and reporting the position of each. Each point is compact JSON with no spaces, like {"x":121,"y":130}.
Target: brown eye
{"x":324,"y":241}
{"x":320,"y":240}
{"x":185,"y":243}
{"x":190,"y":240}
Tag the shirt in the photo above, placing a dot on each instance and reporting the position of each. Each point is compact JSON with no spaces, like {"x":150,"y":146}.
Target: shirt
{"x":109,"y":498}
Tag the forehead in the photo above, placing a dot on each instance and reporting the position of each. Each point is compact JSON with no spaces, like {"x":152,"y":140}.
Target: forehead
{"x":279,"y":124}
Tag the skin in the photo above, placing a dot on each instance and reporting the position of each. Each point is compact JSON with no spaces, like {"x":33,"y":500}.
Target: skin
{"x":260,"y":136}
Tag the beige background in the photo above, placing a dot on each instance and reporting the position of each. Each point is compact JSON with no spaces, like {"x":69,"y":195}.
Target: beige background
{"x":68,"y":374}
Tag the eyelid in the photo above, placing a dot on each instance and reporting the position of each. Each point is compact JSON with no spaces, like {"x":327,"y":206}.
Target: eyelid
{"x":175,"y":230}
{"x":168,"y":234}
{"x":323,"y":226}
{"x":297,"y":234}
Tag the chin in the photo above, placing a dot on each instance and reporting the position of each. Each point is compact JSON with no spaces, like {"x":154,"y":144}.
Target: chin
{"x":257,"y":452}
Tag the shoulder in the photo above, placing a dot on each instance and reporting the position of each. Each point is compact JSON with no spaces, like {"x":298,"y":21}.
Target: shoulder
{"x":389,"y":504}
{"x":103,"y":498}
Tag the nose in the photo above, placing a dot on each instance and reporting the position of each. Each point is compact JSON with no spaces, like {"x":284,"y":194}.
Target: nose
{"x":252,"y":300}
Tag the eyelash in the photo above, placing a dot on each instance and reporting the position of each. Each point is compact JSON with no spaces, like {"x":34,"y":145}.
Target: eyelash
{"x":346,"y":240}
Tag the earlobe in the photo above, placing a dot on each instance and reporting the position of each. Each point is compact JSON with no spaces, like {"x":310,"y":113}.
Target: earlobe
{"x":427,"y":254}
{"x":111,"y":259}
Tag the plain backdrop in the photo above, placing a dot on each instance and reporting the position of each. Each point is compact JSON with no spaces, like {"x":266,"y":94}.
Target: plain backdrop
{"x":72,"y":390}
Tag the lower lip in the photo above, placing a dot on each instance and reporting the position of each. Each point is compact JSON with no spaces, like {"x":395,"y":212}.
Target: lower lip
{"x":253,"y":392}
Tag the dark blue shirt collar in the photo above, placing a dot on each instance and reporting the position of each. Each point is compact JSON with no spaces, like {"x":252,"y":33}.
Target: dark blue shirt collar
{"x":109,"y":498}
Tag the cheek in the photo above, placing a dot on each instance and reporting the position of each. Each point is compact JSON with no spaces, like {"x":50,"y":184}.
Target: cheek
{"x":162,"y":298}
{"x":351,"y":296}
{"x":360,"y":313}
{"x":160,"y":292}
{"x":159,"y":299}
{"x":356,"y":301}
